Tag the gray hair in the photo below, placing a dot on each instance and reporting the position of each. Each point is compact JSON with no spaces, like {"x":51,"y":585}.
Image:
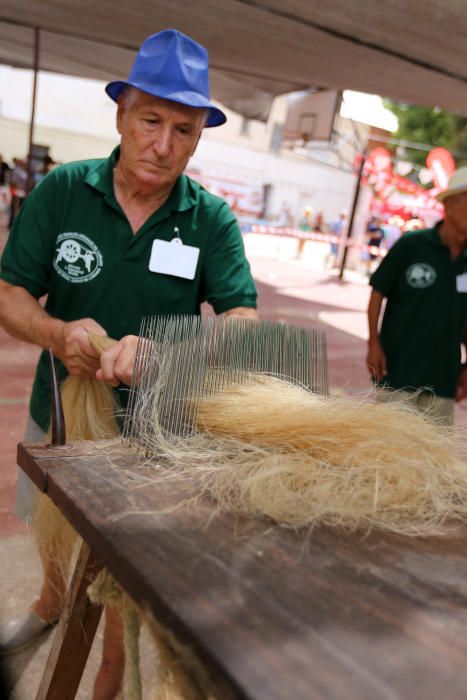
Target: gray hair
{"x":129,"y":94}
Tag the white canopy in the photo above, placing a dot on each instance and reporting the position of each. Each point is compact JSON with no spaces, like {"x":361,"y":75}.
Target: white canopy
{"x":410,"y":51}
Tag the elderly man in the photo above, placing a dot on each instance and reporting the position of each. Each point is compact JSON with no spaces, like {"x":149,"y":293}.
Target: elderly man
{"x":424,"y":278}
{"x":110,"y":241}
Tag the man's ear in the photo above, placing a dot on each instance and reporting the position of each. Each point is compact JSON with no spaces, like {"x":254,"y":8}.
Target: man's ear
{"x":447,"y":207}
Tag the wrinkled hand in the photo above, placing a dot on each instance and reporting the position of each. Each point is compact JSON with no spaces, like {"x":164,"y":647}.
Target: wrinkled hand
{"x":376,"y":360}
{"x":73,"y":348}
{"x":461,"y":389}
{"x":117,"y":363}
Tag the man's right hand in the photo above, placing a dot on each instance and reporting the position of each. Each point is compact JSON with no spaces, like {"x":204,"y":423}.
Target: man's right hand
{"x":376,"y":360}
{"x":71,"y":345}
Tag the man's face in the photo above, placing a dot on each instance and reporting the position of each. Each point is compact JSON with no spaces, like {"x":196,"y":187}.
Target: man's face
{"x":455,"y":208}
{"x":158,"y":137}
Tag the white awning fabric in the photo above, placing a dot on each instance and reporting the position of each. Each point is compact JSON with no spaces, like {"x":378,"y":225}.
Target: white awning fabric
{"x":410,"y":51}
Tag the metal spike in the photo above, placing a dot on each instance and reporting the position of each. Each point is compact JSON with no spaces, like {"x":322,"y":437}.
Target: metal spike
{"x":181,"y":359}
{"x":58,"y":430}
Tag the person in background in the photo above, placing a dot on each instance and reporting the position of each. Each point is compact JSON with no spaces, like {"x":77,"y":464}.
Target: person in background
{"x":392,"y":231}
{"x":374,"y":238}
{"x":306,"y":224}
{"x":319,"y":221}
{"x":18,"y":185}
{"x":416,"y":353}
{"x":5,"y":193}
{"x":285,"y":217}
{"x":338,"y":230}
{"x":5,"y":172}
{"x":86,"y":237}
{"x":47,"y":166}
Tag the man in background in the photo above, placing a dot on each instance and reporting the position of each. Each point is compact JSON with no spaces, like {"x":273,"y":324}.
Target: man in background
{"x":417,"y":352}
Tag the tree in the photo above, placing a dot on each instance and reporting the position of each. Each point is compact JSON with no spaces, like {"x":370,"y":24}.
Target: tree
{"x":432,"y":127}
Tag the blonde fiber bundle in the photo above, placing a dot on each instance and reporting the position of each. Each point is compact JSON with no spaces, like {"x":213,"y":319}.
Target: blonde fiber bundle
{"x":176,"y":669}
{"x":269,"y":448}
{"x":89,"y":411}
{"x":106,"y":591}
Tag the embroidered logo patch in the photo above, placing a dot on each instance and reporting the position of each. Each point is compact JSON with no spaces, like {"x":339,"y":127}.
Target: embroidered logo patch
{"x":77,"y":258}
{"x":420,"y":275}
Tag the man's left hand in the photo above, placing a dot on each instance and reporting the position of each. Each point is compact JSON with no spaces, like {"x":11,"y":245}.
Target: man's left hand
{"x":118,"y":362}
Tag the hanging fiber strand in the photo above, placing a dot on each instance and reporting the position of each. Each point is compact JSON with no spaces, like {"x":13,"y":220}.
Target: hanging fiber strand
{"x":105,"y":591}
{"x":89,"y":410}
{"x":176,"y":668}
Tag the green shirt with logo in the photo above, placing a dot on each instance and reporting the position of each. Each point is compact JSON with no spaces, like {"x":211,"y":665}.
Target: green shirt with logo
{"x":72,"y":241}
{"x":426,"y":310}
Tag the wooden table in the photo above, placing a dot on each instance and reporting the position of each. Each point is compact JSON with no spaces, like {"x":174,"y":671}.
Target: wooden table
{"x":271,"y":613}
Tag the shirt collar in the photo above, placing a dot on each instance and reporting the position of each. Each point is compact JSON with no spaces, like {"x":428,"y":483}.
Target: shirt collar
{"x":100,"y":177}
{"x":435,"y":237}
{"x":182,"y":197}
{"x":436,"y":240}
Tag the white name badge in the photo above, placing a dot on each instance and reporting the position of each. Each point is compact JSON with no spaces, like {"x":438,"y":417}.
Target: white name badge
{"x":461,"y":282}
{"x":174,"y":258}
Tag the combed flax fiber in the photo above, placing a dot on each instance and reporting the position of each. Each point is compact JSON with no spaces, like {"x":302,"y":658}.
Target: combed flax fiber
{"x":269,"y":448}
{"x":179,"y":675}
{"x":176,"y":669}
{"x":89,"y":411}
{"x":106,"y":591}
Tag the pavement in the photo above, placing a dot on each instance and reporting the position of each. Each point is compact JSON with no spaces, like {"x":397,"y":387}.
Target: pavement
{"x":300,"y":291}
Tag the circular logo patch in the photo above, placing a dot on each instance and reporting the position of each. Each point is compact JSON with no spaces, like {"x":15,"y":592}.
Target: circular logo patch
{"x":77,"y":258}
{"x":420,"y":275}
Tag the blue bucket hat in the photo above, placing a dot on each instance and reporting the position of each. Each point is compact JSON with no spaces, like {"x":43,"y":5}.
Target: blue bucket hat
{"x":172,"y":66}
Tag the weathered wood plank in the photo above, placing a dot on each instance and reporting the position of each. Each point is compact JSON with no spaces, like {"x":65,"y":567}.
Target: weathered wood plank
{"x":275,"y":613}
{"x":74,"y":635}
{"x":29,"y":458}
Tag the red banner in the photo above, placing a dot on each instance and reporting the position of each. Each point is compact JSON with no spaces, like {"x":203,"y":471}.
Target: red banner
{"x":442,"y":166}
{"x":395,"y":194}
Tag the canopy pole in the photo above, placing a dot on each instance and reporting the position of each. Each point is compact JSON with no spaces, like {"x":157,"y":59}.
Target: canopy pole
{"x":30,"y":182}
{"x":352,"y":215}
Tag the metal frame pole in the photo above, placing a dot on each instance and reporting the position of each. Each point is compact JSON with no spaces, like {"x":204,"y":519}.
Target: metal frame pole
{"x":30,"y":182}
{"x":352,"y":215}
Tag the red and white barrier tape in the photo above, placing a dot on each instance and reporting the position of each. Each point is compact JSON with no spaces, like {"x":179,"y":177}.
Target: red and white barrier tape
{"x":315,"y":236}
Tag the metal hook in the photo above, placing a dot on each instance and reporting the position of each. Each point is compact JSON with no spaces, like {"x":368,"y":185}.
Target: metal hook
{"x":58,"y":437}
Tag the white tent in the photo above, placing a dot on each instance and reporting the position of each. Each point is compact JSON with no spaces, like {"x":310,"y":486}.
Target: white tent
{"x":410,"y":51}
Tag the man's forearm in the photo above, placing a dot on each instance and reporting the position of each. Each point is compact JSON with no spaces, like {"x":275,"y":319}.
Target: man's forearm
{"x":23,"y":317}
{"x":374,"y":311}
{"x":464,"y":344}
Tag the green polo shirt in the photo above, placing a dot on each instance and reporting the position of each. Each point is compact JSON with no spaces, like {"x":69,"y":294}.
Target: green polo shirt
{"x":72,"y":241}
{"x":423,"y":323}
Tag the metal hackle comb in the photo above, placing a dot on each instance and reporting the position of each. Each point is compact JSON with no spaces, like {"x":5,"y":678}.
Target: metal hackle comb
{"x":181,"y":359}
